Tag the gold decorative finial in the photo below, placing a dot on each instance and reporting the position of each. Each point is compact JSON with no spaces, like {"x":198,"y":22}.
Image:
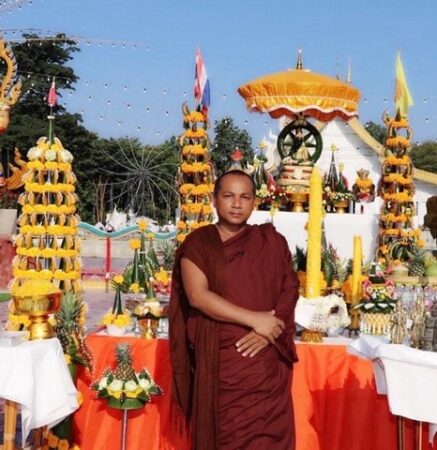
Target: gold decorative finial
{"x":299,"y":64}
{"x":333,"y":148}
{"x":349,"y":72}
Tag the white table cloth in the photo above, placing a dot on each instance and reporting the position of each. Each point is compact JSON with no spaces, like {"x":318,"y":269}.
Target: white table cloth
{"x":35,"y":375}
{"x":406,"y":375}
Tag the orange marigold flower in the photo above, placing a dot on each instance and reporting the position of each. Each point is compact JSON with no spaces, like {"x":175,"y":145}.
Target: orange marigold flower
{"x":63,"y":444}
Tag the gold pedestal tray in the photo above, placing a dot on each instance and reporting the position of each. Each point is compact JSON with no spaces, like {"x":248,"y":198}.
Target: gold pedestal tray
{"x":298,"y":199}
{"x":312,"y":336}
{"x":147,"y":327}
{"x":38,"y":309}
{"x":340,"y":206}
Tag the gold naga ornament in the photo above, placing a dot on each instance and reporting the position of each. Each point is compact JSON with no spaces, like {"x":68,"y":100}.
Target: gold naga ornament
{"x":9,"y":92}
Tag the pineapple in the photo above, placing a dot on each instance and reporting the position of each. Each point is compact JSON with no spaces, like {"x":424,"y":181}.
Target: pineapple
{"x":124,"y":370}
{"x":417,"y":266}
{"x":70,"y":331}
{"x":168,"y":249}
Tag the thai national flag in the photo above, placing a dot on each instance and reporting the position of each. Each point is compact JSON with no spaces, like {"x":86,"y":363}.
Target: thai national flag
{"x":201,"y":83}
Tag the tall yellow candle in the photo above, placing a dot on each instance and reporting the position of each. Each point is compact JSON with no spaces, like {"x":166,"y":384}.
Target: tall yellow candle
{"x":356,"y":270}
{"x":314,"y":253}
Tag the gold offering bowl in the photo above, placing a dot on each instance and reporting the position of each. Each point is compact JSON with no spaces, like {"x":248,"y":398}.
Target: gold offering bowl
{"x":38,"y":308}
{"x":340,"y":206}
{"x":299,"y":199}
{"x":148,"y":323}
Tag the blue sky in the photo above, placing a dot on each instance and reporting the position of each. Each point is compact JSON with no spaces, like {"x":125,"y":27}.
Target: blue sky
{"x":137,"y":91}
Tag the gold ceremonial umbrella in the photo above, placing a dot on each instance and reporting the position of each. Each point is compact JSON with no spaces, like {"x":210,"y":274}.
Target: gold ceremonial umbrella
{"x":301,"y":92}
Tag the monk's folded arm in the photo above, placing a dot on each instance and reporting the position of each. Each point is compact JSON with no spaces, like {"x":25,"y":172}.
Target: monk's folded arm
{"x":217,"y":307}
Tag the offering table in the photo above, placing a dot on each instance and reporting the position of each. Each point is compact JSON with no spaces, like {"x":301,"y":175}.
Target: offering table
{"x":336,"y":403}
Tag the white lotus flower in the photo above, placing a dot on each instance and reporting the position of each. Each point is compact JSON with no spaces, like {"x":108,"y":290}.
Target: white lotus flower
{"x":34,"y":153}
{"x":66,"y":156}
{"x":145,"y":384}
{"x":103,"y":383}
{"x":50,"y":155}
{"x":130,"y":386}
{"x":116,"y":385}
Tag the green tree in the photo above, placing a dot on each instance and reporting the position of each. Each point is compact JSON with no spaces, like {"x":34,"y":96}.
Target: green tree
{"x":424,"y":156}
{"x":378,"y":132}
{"x":227,"y":137}
{"x":38,"y":62}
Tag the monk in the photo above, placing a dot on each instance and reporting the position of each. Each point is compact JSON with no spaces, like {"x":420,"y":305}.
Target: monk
{"x":231,"y":327}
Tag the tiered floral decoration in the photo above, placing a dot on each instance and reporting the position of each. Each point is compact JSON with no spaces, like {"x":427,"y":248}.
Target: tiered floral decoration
{"x":47,"y":245}
{"x":196,"y":177}
{"x":398,"y":239}
{"x":144,"y":271}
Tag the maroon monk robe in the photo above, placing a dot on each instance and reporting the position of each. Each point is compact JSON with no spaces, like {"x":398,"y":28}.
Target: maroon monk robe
{"x":253,"y":410}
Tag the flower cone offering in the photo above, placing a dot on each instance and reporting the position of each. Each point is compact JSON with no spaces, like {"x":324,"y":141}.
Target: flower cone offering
{"x":47,"y":246}
{"x":195,"y":175}
{"x":399,"y":241}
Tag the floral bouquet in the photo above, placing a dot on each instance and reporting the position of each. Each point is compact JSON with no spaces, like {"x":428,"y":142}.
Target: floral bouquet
{"x":123,"y":387}
{"x":378,"y":298}
{"x":162,"y":282}
{"x":335,"y":197}
{"x":267,"y":195}
{"x":145,"y":262}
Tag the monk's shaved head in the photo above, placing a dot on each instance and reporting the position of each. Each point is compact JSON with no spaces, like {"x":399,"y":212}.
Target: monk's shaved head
{"x":237,"y":173}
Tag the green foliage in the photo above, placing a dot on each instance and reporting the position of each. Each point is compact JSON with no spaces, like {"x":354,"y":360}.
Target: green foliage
{"x":424,"y":156}
{"x":227,"y":137}
{"x":36,"y":57}
{"x":299,"y":260}
{"x":378,"y":132}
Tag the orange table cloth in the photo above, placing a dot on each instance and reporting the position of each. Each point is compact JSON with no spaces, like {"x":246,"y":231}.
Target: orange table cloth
{"x":335,"y":399}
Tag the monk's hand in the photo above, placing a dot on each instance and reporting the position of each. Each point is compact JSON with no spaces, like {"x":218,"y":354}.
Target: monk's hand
{"x":267,"y":325}
{"x":251,"y":344}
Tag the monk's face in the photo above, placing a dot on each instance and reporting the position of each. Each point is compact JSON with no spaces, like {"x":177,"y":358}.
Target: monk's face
{"x":235,"y":200}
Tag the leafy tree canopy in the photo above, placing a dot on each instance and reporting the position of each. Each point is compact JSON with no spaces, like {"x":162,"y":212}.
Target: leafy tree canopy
{"x":38,"y":62}
{"x":378,"y":132}
{"x":424,"y":156}
{"x":227,"y":137}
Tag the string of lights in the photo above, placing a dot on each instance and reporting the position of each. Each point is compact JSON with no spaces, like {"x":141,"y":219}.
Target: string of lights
{"x":108,"y":100}
{"x":44,"y":35}
{"x":9,"y":5}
